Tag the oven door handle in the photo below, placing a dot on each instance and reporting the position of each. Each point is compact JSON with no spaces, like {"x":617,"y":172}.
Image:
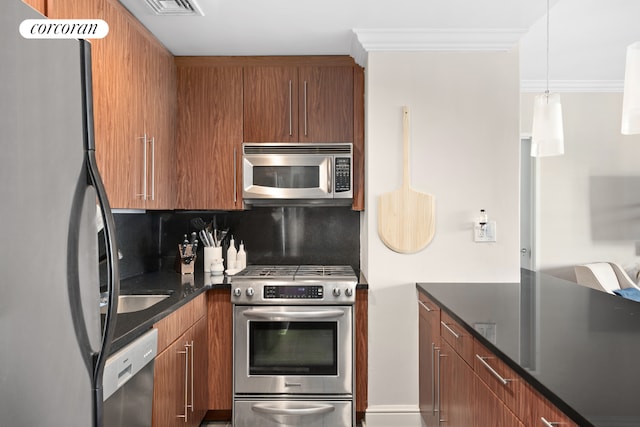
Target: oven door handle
{"x":276,"y":315}
{"x":275,"y":410}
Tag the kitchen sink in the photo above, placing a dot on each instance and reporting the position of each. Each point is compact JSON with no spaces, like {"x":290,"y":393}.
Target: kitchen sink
{"x":131,"y":303}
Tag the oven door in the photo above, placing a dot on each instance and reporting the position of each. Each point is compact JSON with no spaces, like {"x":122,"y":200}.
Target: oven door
{"x":286,"y":350}
{"x":307,"y":413}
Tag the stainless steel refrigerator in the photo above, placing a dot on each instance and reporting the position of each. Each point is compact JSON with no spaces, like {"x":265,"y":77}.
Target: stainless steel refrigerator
{"x":53,"y":342}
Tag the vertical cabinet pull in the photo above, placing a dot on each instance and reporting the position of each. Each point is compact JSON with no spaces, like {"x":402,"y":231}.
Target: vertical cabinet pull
{"x":440,"y":355}
{"x":290,"y":109}
{"x":143,"y":194}
{"x":549,"y":423}
{"x":192,"y":369}
{"x":186,"y":383}
{"x":433,"y":377}
{"x":329,"y":176}
{"x":153,"y":168}
{"x":305,"y":108}
{"x":235,"y":178}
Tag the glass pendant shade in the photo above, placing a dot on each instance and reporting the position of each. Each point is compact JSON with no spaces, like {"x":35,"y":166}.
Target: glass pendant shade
{"x":631,"y":99}
{"x":547,"y":134}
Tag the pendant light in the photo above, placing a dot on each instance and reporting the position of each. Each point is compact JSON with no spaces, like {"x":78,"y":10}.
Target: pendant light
{"x":547,"y":134}
{"x":631,"y":98}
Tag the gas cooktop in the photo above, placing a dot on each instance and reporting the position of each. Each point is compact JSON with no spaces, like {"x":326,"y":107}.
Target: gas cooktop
{"x":294,"y":285}
{"x":297,"y":272}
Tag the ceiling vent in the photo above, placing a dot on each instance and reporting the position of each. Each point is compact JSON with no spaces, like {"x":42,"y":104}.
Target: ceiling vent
{"x":175,"y":7}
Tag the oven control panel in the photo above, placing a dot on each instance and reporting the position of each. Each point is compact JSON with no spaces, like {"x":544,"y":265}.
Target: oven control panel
{"x":293,"y":292}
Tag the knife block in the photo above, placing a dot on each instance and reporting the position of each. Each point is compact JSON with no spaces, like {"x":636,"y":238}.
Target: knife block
{"x":185,"y":259}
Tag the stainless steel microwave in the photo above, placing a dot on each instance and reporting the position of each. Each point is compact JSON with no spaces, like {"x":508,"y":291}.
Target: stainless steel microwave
{"x":297,"y":174}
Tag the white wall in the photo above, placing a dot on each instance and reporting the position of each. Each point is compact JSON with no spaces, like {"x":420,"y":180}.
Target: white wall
{"x":465,"y":152}
{"x":584,"y":215}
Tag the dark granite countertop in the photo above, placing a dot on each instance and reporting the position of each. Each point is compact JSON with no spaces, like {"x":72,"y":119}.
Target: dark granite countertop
{"x":182,"y":288}
{"x":578,"y":347}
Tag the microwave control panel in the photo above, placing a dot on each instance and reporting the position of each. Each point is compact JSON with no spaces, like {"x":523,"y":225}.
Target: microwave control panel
{"x":342,"y":174}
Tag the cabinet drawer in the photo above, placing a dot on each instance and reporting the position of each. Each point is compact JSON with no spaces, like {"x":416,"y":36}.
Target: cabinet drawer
{"x":199,"y":307}
{"x":176,"y":324}
{"x":427,"y":304}
{"x":458,"y":337}
{"x":539,"y":409}
{"x":503,"y":381}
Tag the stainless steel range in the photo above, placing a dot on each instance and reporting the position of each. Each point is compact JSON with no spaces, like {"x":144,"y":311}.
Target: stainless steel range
{"x":294,"y":346}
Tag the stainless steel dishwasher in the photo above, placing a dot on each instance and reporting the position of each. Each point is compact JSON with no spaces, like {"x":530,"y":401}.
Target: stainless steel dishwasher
{"x":128,"y":383}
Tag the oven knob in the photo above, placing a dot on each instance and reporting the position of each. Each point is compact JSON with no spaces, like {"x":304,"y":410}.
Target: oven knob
{"x":237,"y":292}
{"x":250,"y":292}
{"x":336,"y":292}
{"x":348,"y":292}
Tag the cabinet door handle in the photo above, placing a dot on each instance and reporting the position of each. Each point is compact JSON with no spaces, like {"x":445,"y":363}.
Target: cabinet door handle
{"x":186,"y":382}
{"x":426,"y":307}
{"x":450,"y":330}
{"x":549,"y":423}
{"x":191,"y":348}
{"x":143,"y":195}
{"x":290,"y":109}
{"x":440,"y":356}
{"x":305,"y":108}
{"x":153,"y":168}
{"x":433,"y":378}
{"x":329,"y":175}
{"x":500,"y":378}
{"x":235,"y":178}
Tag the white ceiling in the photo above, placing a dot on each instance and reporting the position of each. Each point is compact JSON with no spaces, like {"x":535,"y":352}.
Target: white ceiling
{"x":588,"y":37}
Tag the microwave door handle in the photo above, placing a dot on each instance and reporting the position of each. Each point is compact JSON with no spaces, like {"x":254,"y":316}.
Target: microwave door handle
{"x":329,"y":175}
{"x":276,"y":315}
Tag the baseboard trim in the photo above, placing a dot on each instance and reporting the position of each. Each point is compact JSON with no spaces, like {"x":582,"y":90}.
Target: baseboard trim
{"x":393,"y":416}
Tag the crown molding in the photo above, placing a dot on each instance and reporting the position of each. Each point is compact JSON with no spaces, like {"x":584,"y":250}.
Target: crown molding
{"x":572,"y":86}
{"x":416,"y":40}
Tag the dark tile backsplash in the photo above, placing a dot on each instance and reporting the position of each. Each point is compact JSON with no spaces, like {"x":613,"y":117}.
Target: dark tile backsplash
{"x":288,"y":235}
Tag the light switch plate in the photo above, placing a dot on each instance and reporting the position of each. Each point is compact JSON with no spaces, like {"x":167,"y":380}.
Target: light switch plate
{"x":486,"y":233}
{"x":487,"y":330}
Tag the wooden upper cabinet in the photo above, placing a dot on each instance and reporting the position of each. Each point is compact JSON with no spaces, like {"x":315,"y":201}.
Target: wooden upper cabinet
{"x":39,"y":5}
{"x":326,"y":104}
{"x":209,"y":136}
{"x":303,"y":102}
{"x":159,"y":98}
{"x":270,"y":104}
{"x":134,"y":93}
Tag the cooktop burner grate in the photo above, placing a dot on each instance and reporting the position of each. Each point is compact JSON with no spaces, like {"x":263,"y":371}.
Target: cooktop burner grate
{"x":295,"y":272}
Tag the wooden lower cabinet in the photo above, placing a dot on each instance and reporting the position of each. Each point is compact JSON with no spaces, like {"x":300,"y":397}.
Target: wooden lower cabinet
{"x":489,"y":409}
{"x":429,"y":332}
{"x":180,"y":389}
{"x":467,"y":391}
{"x":220,"y":349}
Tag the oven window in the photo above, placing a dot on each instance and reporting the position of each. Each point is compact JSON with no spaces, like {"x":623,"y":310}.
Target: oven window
{"x":286,"y":176}
{"x":293,"y":348}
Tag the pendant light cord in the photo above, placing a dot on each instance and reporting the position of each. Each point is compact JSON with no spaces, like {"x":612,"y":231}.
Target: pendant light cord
{"x":547,"y":91}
